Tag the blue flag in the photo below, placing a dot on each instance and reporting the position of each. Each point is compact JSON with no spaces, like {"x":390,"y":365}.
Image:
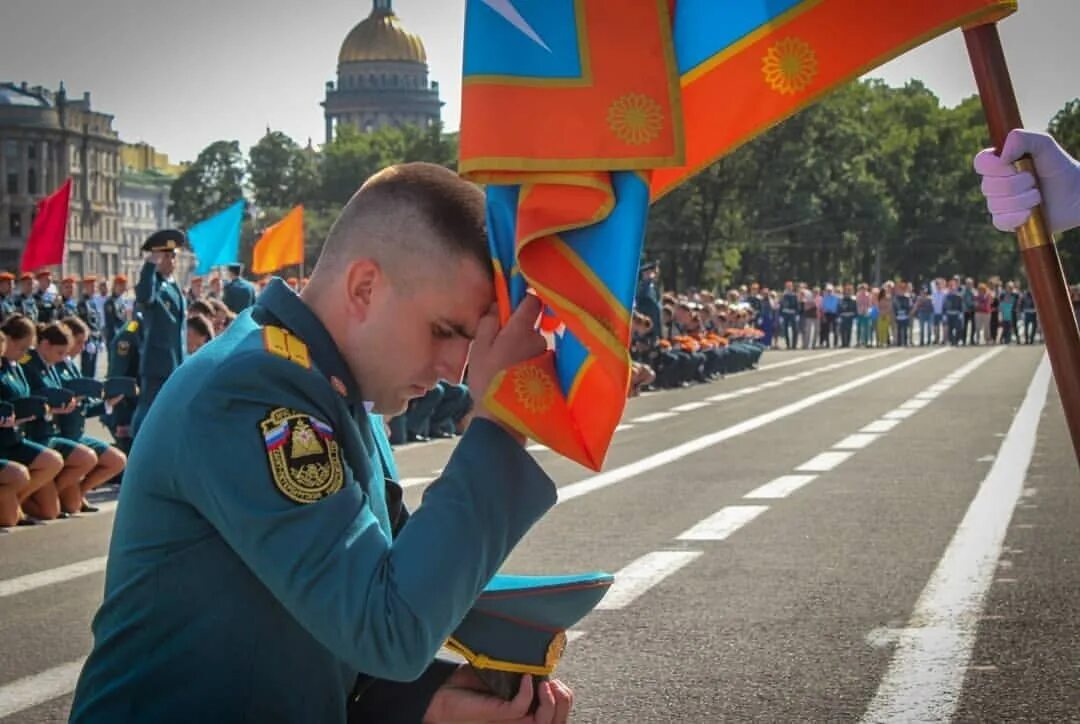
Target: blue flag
{"x":216,"y":240}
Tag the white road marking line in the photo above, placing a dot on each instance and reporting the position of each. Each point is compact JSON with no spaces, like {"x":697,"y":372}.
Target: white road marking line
{"x":824,"y":462}
{"x":898,"y":414}
{"x":573,"y":635}
{"x":801,"y":360}
{"x":651,"y":462}
{"x":926,"y":675}
{"x":721,"y":397}
{"x":411,"y":482}
{"x":689,"y":407}
{"x":655,"y":417}
{"x":927,"y":396}
{"x":69,"y":572}
{"x":880,"y":426}
{"x":36,"y":689}
{"x":723,"y":523}
{"x":781,"y":487}
{"x":624,"y":426}
{"x":536,"y":447}
{"x":914,"y":404}
{"x":770,"y":385}
{"x":641,"y":575}
{"x":856,"y":442}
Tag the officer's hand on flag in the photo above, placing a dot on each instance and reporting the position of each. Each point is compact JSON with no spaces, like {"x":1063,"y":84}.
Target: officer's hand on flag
{"x":1011,"y":194}
{"x":495,"y":350}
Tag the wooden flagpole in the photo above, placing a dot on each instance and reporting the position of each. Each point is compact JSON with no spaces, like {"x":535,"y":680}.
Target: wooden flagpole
{"x":1037,"y":248}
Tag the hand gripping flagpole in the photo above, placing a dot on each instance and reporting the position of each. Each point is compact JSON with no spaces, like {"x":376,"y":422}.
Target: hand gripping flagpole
{"x":1037,"y":247}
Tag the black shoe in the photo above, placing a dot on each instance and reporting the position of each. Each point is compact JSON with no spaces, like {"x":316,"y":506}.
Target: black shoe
{"x":417,"y":437}
{"x":64,"y":515}
{"x":30,"y":521}
{"x":87,"y":508}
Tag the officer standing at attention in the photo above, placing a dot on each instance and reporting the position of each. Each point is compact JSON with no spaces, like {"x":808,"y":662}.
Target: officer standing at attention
{"x":24,"y":298}
{"x":163,"y":307}
{"x":87,"y":311}
{"x":261,"y":555}
{"x":239,"y":293}
{"x":7,"y":299}
{"x":115,"y":310}
{"x":45,"y":299}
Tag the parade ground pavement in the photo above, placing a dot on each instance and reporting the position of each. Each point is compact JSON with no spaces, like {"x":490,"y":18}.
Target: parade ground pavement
{"x":838,"y":536}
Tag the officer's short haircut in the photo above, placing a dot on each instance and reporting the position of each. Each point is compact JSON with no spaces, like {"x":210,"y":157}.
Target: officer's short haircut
{"x":388,"y":217}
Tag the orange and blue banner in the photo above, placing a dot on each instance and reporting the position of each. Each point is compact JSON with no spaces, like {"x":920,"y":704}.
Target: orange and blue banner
{"x":577,"y":113}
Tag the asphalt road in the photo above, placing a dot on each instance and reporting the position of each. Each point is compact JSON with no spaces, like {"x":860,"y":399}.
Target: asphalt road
{"x":867,"y":535}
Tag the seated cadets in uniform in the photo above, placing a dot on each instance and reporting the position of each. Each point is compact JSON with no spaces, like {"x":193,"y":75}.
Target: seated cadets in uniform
{"x":163,"y":307}
{"x":40,"y":500}
{"x":110,"y":460}
{"x":14,"y":478}
{"x":80,"y":460}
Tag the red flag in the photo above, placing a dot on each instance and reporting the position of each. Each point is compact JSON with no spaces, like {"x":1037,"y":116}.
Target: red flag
{"x":45,"y":246}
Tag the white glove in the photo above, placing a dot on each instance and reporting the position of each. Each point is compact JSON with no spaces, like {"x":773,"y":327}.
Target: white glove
{"x":1010,"y":195}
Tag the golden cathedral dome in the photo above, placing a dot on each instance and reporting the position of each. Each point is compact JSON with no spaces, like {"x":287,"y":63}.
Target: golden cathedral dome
{"x":381,"y":37}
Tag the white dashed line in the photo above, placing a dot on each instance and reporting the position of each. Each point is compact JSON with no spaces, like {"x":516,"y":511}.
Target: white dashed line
{"x":656,"y":460}
{"x":411,"y":482}
{"x":723,"y":523}
{"x":641,"y":575}
{"x":880,"y":426}
{"x":781,"y":487}
{"x":690,"y":407}
{"x":914,"y":404}
{"x":31,"y":691}
{"x":898,"y":414}
{"x":824,"y":462}
{"x":69,"y":572}
{"x":856,"y":442}
{"x":654,"y":417}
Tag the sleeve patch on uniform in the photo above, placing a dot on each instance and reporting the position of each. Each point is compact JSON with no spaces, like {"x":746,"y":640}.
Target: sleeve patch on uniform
{"x":123,"y":347}
{"x":305,"y":460}
{"x":279,"y":342}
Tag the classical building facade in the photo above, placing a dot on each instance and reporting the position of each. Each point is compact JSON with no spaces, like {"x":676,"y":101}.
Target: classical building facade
{"x":382,"y":78}
{"x":46,"y":137}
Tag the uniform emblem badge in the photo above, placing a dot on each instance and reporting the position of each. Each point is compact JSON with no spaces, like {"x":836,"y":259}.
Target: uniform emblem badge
{"x":305,"y":460}
{"x":122,"y":347}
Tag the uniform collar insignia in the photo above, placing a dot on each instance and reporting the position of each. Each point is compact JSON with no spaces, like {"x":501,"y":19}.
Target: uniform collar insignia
{"x":287,"y":308}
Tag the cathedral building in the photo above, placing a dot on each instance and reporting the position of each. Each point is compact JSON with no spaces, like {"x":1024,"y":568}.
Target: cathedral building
{"x":382,"y":78}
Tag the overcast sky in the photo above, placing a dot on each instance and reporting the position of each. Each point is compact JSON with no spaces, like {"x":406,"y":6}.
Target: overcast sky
{"x":180,"y":74}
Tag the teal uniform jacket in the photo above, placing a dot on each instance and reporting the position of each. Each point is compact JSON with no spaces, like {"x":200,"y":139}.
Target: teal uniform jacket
{"x":13,"y":386}
{"x":252,"y":570}
{"x":164,"y":309}
{"x":73,"y":426}
{"x":40,"y":376}
{"x":238,"y":294}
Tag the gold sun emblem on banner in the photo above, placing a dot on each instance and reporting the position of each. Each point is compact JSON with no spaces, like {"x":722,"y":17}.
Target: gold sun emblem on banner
{"x":789,"y":66}
{"x":635,"y":119}
{"x":533,"y":388}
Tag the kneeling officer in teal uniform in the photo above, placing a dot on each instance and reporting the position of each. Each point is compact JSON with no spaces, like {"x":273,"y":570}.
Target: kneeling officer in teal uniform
{"x":253,"y":570}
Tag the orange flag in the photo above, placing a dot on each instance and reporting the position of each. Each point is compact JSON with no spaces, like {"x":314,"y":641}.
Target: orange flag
{"x":282,"y":245}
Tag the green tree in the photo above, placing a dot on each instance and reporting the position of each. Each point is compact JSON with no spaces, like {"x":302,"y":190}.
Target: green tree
{"x":281,"y":173}
{"x":353,"y":156}
{"x":209,"y":185}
